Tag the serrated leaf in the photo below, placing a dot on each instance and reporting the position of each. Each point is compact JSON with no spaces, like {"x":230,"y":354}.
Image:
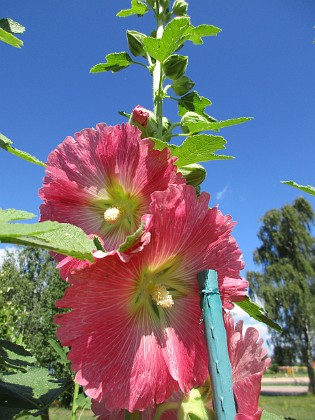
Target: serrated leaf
{"x":198,"y":148}
{"x":172,"y":39}
{"x":137,"y":8}
{"x":31,"y":392}
{"x":115,"y":62}
{"x":132,"y":239}
{"x":195,"y":34}
{"x":11,"y":26}
{"x":62,"y":238}
{"x":256,"y":312}
{"x":196,"y":123}
{"x":193,"y":102}
{"x":270,"y":416}
{"x":306,"y":188}
{"x":10,"y":39}
{"x":5,"y":144}
{"x":14,"y":356}
{"x":11,"y":214}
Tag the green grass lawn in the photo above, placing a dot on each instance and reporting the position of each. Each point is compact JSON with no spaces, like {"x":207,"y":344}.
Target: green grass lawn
{"x":299,"y":407}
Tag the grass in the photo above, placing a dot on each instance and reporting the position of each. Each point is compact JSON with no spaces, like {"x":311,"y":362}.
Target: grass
{"x":299,"y":407}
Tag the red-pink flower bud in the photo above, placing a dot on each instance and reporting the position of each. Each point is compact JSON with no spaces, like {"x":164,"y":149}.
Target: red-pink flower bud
{"x":140,"y":115}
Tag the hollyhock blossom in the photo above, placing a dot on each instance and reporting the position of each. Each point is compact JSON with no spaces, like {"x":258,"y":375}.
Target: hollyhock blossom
{"x":248,"y":360}
{"x":101,"y":180}
{"x":134,"y":329}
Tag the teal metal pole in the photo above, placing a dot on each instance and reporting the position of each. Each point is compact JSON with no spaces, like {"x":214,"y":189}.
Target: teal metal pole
{"x":219,"y":363}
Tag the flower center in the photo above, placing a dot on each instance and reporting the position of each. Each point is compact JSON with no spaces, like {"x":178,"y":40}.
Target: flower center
{"x":112,"y":215}
{"x":161,"y":296}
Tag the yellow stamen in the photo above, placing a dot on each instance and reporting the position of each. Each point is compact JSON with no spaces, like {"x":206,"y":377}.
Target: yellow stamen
{"x":161,"y":296}
{"x":112,"y":215}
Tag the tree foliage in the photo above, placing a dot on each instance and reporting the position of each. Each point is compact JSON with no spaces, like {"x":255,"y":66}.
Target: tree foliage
{"x":287,"y":282}
{"x":29,"y":287}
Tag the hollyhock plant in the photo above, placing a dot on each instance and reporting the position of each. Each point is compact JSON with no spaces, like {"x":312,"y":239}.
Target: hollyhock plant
{"x":140,"y":115}
{"x":134,"y":329}
{"x":101,"y":181}
{"x":249,"y":361}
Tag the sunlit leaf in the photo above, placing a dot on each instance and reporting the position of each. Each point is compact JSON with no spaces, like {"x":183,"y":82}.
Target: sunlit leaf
{"x":137,"y":8}
{"x":198,"y":148}
{"x":10,"y":39}
{"x":306,"y":188}
{"x":11,"y":26}
{"x":195,"y":34}
{"x":5,"y":144}
{"x":256,"y":312}
{"x":115,"y":62}
{"x":193,"y":102}
{"x":172,"y":39}
{"x":196,"y":123}
{"x":58,"y":237}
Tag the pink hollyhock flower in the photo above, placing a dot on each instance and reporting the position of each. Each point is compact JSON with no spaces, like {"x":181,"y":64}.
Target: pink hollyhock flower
{"x":134,"y":329}
{"x":248,"y":360}
{"x":102,"y":179}
{"x":140,"y":115}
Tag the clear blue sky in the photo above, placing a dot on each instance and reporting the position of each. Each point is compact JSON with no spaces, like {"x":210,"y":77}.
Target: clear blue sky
{"x":261,"y":65}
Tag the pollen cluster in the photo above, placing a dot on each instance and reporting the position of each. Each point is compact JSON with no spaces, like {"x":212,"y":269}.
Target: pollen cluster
{"x":112,"y":215}
{"x":161,"y":296}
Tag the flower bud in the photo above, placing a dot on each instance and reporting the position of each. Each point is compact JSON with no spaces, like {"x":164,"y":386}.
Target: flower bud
{"x":140,"y":115}
{"x":166,"y":132}
{"x":164,"y":3}
{"x":194,"y":174}
{"x":174,"y":66}
{"x":145,"y":120}
{"x":135,"y":43}
{"x":180,"y":8}
{"x":182,"y":85}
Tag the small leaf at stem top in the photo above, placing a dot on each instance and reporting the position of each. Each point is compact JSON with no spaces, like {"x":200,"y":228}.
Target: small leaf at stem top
{"x":137,"y":8}
{"x":6,"y":143}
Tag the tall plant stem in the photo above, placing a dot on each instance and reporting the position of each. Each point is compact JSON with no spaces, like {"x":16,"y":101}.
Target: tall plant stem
{"x":157,"y":75}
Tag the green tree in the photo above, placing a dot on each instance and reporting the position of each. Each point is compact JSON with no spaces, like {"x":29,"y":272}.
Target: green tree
{"x":287,"y":281}
{"x":29,"y":287}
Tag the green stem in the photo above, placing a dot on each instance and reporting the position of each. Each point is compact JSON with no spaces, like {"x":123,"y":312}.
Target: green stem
{"x":157,"y":75}
{"x":74,"y":400}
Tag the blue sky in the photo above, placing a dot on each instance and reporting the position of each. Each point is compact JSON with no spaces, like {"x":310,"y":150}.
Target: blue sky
{"x":261,"y":65}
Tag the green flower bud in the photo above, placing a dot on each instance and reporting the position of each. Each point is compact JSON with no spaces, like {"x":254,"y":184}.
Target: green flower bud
{"x":135,"y":43}
{"x":166,"y":132}
{"x":174,"y":66}
{"x":180,"y":8}
{"x":182,"y":85}
{"x":164,"y":3}
{"x":194,"y":174}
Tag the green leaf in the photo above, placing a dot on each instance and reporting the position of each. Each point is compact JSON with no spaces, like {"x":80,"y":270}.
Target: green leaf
{"x":14,"y":356}
{"x":115,"y":62}
{"x":256,"y":312}
{"x":5,"y":144}
{"x":172,"y":39}
{"x":137,"y":8}
{"x":198,"y":148}
{"x":61,"y":351}
{"x":12,"y":214}
{"x":306,"y":188}
{"x":11,"y":26}
{"x":196,"y":122}
{"x":195,"y":34}
{"x":58,"y":237}
{"x":270,"y":416}
{"x":10,"y":39}
{"x":132,"y":239}
{"x":31,"y":392}
{"x":193,"y":102}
